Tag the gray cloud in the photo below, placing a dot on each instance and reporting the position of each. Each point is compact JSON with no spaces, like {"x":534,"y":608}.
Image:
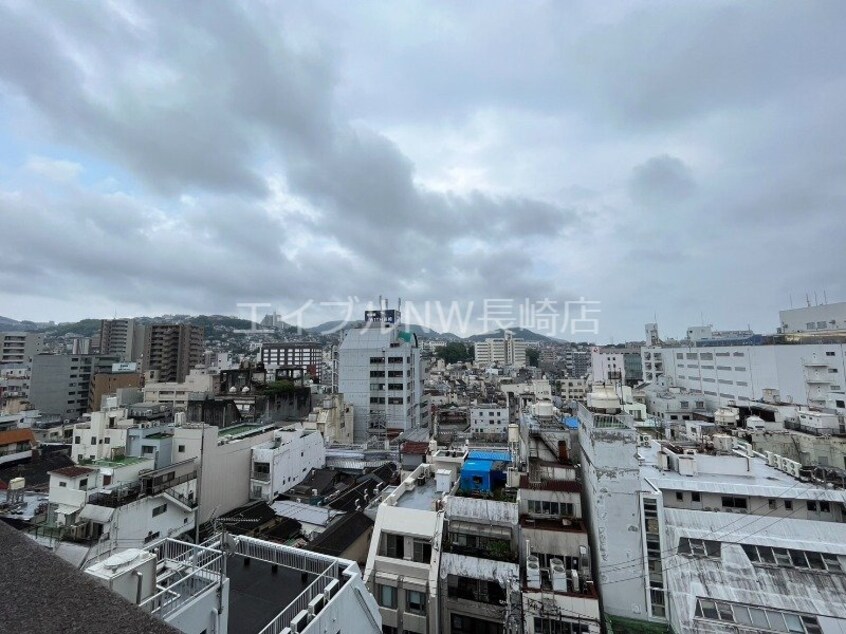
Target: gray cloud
{"x":646,"y":156}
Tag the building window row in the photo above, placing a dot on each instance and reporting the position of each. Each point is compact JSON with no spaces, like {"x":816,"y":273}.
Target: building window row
{"x":791,"y":558}
{"x":762,"y":619}
{"x":699,"y":548}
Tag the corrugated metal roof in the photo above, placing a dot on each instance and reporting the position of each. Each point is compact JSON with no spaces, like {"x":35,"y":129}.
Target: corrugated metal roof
{"x":482,"y":510}
{"x":305,"y":513}
{"x":474,"y":568}
{"x":101,"y":514}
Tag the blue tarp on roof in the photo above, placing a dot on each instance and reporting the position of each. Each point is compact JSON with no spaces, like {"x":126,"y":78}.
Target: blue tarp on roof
{"x":481,"y":475}
{"x":501,"y":456}
{"x":571,"y":422}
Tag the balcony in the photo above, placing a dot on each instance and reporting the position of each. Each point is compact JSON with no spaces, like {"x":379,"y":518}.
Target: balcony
{"x":260,"y":476}
{"x":496,"y":550}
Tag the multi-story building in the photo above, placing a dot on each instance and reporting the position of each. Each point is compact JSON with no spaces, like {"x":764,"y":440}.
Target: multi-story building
{"x":818,"y":319}
{"x":807,"y":373}
{"x":572,"y":389}
{"x":20,"y":347}
{"x":61,"y":383}
{"x":479,"y":567}
{"x":122,"y":337}
{"x":711,"y":536}
{"x":380,"y":375}
{"x":333,"y":418}
{"x":121,"y":375}
{"x":489,"y":419}
{"x":501,"y":351}
{"x":285,"y":461}
{"x":577,"y":363}
{"x":402,"y":565}
{"x":171,"y":350}
{"x":306,"y":356}
{"x":176,"y":394}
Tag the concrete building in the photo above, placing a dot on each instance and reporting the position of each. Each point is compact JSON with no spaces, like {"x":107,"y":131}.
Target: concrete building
{"x":284,"y":462}
{"x":479,"y":567}
{"x":172,"y":350}
{"x":120,"y":376}
{"x":16,"y":445}
{"x":489,"y":420}
{"x":807,"y":373}
{"x":307,"y":357}
{"x":572,"y":389}
{"x":257,"y":586}
{"x":501,"y":351}
{"x":380,"y":374}
{"x":61,"y":383}
{"x":225,"y":457}
{"x":402,"y":565}
{"x":122,"y":337}
{"x":822,"y":318}
{"x":333,"y":418}
{"x":176,"y":394}
{"x":20,"y":347}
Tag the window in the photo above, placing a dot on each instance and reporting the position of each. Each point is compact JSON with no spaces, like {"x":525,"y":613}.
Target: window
{"x":699,"y":548}
{"x":788,"y":505}
{"x":93,"y":440}
{"x":147,"y":449}
{"x":680,"y":496}
{"x":63,"y":484}
{"x":551,"y":625}
{"x":394,"y":546}
{"x":772,"y":503}
{"x":812,"y":505}
{"x":180,"y":448}
{"x":158,"y":510}
{"x":734,"y":502}
{"x":107,"y":440}
{"x":389,"y":629}
{"x":386,"y":596}
{"x":792,"y":558}
{"x":422,"y":552}
{"x":825,"y":507}
{"x":829,"y":354}
{"x":415,"y":602}
{"x":761,"y":619}
{"x":77,"y":440}
{"x":695,"y":496}
{"x":83,"y":483}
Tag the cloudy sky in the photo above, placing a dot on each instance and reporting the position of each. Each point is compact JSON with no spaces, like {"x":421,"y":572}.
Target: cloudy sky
{"x":685,"y":160}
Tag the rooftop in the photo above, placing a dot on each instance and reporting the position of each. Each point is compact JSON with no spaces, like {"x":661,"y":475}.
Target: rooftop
{"x":241,"y":430}
{"x":421,"y":497}
{"x":123,"y":461}
{"x":51,"y":595}
{"x":72,"y":472}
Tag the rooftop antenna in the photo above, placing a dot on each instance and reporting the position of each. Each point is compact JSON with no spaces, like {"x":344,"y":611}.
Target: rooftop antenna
{"x":790,"y":295}
{"x":816,"y":303}
{"x":807,"y":300}
{"x":825,"y":297}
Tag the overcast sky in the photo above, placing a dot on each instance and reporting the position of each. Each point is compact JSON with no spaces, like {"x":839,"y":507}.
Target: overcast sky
{"x":685,"y":160}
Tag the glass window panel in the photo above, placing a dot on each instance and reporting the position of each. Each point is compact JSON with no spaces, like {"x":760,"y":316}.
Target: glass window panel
{"x":759,"y":618}
{"x":794,"y":623}
{"x":709,"y":609}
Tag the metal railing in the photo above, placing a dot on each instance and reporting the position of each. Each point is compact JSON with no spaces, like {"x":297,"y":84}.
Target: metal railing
{"x":205,"y":570}
{"x":284,"y":618}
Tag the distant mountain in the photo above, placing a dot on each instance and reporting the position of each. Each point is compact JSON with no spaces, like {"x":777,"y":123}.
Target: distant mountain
{"x":9,"y":324}
{"x":519,"y":333}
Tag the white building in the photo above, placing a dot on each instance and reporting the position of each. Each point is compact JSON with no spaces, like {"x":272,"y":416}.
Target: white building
{"x":284,"y":461}
{"x":808,"y":373}
{"x":225,"y":456}
{"x":607,"y":366}
{"x":489,"y":420}
{"x":572,"y":389}
{"x":177,"y":394}
{"x":502,"y":351}
{"x":709,"y":537}
{"x":257,"y":586}
{"x":813,"y":319}
{"x":102,"y":436}
{"x":403,"y":563}
{"x":380,"y":374}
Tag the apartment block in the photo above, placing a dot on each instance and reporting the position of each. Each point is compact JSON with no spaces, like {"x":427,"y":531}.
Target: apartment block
{"x":122,"y":337}
{"x":61,"y":383}
{"x":307,"y":357}
{"x":20,"y":347}
{"x":172,"y":350}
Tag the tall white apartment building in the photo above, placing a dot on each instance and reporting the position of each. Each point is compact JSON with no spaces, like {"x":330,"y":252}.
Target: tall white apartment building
{"x":380,"y":374}
{"x":502,"y":351}
{"x":285,"y":461}
{"x":607,"y":366}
